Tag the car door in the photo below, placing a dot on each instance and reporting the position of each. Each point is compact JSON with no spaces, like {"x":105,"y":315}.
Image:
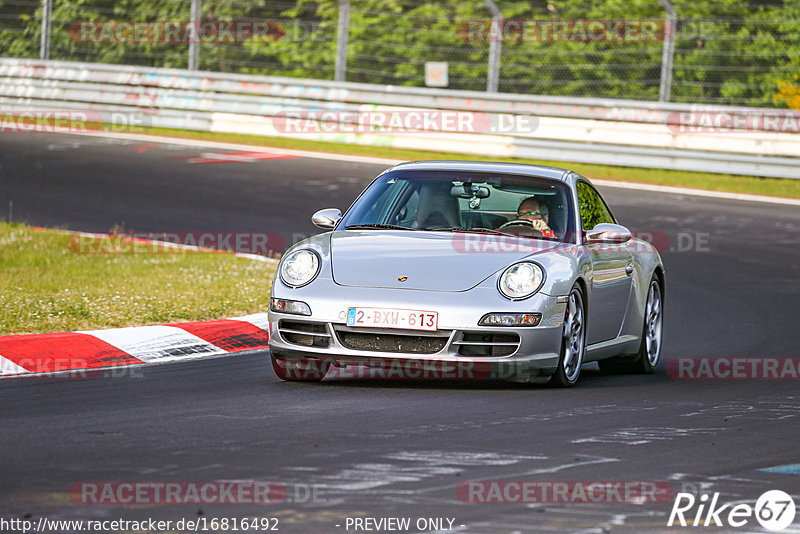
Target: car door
{"x":611,"y":274}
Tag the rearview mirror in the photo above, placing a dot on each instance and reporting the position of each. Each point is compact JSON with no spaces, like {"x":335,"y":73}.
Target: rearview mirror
{"x":468,"y":190}
{"x":326,"y":218}
{"x":608,"y":233}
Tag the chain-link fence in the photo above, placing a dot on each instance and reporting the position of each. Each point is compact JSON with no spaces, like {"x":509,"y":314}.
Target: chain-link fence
{"x":725,"y":52}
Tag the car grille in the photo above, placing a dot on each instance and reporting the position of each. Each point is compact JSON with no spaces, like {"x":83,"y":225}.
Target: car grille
{"x":304,"y":333}
{"x":380,"y":340}
{"x":487,"y":344}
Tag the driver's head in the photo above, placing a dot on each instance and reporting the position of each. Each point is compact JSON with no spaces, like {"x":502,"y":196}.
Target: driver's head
{"x":532,"y":209}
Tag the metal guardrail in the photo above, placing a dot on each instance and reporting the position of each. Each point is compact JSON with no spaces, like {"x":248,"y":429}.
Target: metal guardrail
{"x":655,"y":158}
{"x":603,"y":131}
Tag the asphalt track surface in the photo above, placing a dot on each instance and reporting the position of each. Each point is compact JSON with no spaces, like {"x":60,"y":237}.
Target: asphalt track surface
{"x":397,"y":448}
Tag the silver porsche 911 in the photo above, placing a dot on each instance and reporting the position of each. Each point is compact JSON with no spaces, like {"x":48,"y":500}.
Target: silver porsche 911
{"x":468,"y":270}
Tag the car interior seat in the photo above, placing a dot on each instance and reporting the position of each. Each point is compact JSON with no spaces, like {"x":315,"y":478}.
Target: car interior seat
{"x":437,"y":207}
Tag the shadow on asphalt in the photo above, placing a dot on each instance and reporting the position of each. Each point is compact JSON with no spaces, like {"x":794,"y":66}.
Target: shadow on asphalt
{"x":589,"y":379}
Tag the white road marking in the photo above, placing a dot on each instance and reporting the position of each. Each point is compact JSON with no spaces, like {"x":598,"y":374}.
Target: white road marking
{"x":199,"y":143}
{"x":698,"y":192}
{"x":462,"y":458}
{"x":386,"y":161}
{"x":641,"y":436}
{"x":236,"y":157}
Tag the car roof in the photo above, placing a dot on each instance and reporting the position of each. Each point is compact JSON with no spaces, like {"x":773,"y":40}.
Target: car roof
{"x":542,"y":171}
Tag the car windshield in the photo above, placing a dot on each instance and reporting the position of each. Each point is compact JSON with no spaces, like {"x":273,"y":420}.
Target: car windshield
{"x":465,"y":201}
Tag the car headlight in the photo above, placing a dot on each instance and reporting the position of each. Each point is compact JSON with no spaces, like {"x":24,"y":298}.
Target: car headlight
{"x":509,"y":319}
{"x":300,"y":268}
{"x":521,"y":280}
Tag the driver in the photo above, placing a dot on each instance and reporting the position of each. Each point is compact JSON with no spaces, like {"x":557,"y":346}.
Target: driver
{"x":536,"y":213}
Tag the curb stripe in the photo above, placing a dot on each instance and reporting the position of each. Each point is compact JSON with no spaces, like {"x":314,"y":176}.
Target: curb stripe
{"x":157,"y":343}
{"x":7,"y":367}
{"x":259,"y":320}
{"x":47,"y":353}
{"x":27,"y":354}
{"x":229,"y":335}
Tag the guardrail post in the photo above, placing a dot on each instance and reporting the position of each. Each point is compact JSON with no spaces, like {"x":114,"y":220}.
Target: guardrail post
{"x":495,"y":46}
{"x":668,"y":53}
{"x":47,"y":16}
{"x":194,"y":41}
{"x":342,"y":36}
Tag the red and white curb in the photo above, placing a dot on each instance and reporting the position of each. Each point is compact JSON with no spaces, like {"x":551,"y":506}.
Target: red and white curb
{"x":68,"y":351}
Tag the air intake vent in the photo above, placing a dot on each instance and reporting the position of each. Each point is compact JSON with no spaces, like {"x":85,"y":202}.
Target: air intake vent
{"x":304,"y":333}
{"x":487,"y":344}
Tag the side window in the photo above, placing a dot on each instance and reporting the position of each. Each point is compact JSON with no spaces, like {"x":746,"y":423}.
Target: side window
{"x":593,"y":210}
{"x":385,"y":203}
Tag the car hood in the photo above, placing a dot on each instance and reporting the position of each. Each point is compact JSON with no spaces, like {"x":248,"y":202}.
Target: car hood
{"x":435,"y":261}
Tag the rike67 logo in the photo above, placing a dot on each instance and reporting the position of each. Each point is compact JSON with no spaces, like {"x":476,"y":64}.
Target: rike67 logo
{"x":774,"y":510}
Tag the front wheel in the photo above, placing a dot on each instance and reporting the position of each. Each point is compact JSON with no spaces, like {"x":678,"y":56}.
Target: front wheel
{"x":646,"y":360}
{"x":573,"y":341}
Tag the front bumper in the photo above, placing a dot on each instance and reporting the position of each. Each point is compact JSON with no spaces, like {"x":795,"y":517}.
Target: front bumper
{"x":459,"y":345}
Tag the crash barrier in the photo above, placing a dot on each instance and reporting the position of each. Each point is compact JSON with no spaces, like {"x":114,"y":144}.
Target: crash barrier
{"x":747,"y":141}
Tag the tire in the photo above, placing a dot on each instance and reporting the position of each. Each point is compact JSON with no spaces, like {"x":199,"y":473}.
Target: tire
{"x":573,"y":341}
{"x":299,"y":369}
{"x":646,"y":360}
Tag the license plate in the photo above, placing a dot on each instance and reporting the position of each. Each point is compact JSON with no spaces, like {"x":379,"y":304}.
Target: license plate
{"x":392,"y":318}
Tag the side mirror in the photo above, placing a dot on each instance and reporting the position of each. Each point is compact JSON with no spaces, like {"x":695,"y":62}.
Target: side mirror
{"x":606,"y":233}
{"x":326,"y":218}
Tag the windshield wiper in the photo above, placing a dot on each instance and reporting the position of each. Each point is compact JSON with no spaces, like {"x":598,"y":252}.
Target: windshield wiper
{"x":494,"y":232}
{"x":377,"y":227}
{"x":472,"y":230}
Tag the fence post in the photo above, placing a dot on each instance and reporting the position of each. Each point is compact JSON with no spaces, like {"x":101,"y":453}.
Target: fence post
{"x":495,"y":46}
{"x":668,"y":53}
{"x":47,"y":16}
{"x":194,"y":41}
{"x":342,"y":36}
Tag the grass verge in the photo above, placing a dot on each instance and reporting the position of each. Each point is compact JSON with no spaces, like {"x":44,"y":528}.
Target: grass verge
{"x":753,"y":185}
{"x":49,"y":286}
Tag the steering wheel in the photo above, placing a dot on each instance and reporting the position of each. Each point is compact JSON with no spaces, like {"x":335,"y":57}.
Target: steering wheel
{"x":523,"y":225}
{"x":516,"y":222}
